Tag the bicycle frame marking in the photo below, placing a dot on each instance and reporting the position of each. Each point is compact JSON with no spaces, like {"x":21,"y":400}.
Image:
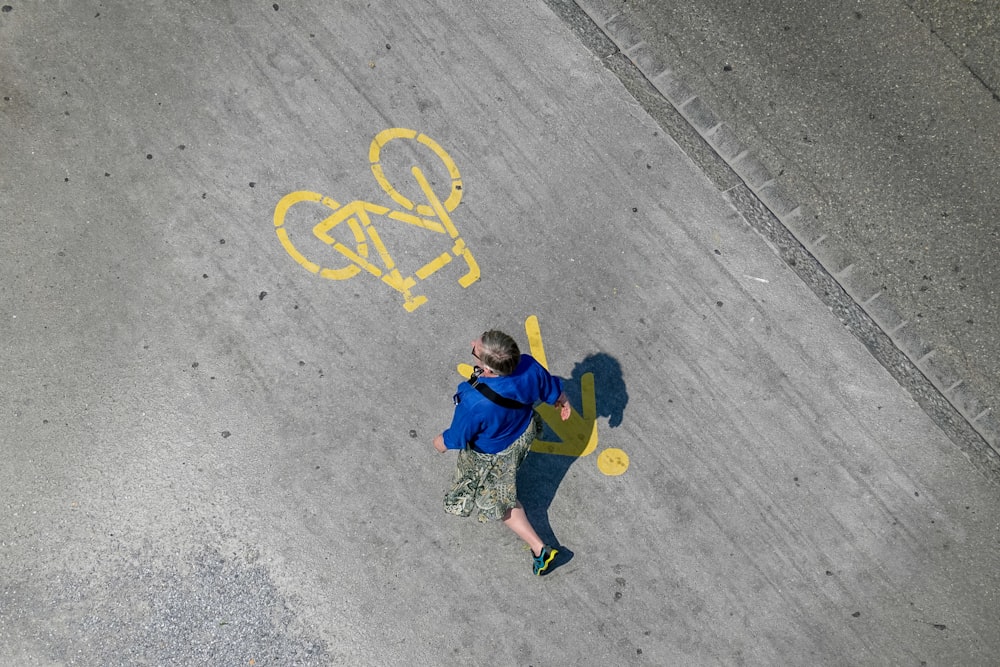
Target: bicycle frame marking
{"x":433,"y":216}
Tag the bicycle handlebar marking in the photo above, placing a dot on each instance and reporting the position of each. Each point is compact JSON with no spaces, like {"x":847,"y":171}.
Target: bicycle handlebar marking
{"x":433,"y":216}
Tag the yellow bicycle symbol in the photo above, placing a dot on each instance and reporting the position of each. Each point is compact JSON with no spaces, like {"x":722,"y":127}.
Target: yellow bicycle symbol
{"x":360,"y":238}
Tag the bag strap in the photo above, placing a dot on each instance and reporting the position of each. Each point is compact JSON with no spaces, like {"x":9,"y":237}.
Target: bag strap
{"x":502,"y":401}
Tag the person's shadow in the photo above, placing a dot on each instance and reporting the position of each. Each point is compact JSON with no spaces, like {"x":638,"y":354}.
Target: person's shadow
{"x":540,"y":475}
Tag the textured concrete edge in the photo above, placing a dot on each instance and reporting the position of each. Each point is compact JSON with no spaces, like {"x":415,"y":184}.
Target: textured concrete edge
{"x":895,"y":342}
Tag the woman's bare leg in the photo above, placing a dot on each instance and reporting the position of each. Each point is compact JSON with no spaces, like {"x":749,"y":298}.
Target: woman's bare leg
{"x":517,"y":520}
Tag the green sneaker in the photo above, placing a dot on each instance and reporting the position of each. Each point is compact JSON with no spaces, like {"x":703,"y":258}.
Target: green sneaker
{"x":543,"y":559}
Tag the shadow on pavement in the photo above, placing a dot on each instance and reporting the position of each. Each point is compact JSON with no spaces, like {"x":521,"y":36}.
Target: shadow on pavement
{"x":609,"y":386}
{"x":540,"y":475}
{"x":537,"y":481}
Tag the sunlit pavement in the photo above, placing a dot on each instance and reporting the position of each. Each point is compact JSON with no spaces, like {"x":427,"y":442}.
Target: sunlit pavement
{"x":246,"y":248}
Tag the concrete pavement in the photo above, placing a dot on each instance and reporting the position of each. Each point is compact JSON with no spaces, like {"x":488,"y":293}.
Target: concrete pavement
{"x":868,"y":134}
{"x":216,"y":438}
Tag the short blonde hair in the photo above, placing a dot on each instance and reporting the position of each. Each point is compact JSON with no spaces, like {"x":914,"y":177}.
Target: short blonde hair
{"x":499,"y":352}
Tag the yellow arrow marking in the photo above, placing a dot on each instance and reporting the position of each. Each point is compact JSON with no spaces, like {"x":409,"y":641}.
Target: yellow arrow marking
{"x":578,"y":434}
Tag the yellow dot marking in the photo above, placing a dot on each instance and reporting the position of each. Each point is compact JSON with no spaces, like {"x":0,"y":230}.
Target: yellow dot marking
{"x":612,"y":462}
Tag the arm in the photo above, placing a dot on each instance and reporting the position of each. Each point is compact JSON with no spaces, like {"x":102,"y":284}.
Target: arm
{"x":464,"y":427}
{"x":548,"y":385}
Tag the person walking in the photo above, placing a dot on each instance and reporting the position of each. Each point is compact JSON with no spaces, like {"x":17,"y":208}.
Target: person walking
{"x":493,"y":427}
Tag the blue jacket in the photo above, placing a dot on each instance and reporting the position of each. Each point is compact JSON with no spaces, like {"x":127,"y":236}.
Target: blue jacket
{"x":490,"y":428}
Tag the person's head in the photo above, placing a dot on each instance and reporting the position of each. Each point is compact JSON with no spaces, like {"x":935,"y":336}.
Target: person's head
{"x":497,"y":351}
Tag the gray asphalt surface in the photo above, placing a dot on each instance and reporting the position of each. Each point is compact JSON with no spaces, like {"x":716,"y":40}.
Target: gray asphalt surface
{"x":214,"y":453}
{"x":871,"y":130}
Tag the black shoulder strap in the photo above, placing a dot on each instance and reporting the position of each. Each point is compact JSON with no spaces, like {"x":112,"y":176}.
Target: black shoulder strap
{"x":502,"y":401}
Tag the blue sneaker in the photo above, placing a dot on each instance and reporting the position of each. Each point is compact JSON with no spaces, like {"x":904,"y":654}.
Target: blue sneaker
{"x":543,"y":559}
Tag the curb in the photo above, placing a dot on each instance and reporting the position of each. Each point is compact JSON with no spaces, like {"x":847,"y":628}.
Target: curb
{"x":773,"y":196}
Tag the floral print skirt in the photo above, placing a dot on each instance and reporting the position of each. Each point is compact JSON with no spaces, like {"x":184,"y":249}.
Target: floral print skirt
{"x":487,"y":483}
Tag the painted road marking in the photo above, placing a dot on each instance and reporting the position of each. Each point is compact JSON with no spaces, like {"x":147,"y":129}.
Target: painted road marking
{"x":359,"y":241}
{"x":612,"y":461}
{"x":578,"y":434}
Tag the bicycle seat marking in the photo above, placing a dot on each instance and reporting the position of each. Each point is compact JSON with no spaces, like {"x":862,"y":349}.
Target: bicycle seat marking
{"x":357,"y":225}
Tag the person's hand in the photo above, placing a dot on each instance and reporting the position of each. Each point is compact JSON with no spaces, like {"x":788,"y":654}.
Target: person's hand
{"x":565,"y":409}
{"x":439,"y":443}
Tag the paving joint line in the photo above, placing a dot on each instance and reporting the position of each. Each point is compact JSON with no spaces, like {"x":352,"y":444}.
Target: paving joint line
{"x":772,"y":212}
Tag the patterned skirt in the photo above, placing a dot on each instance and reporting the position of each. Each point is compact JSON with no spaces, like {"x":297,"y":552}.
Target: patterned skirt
{"x":487,"y":483}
